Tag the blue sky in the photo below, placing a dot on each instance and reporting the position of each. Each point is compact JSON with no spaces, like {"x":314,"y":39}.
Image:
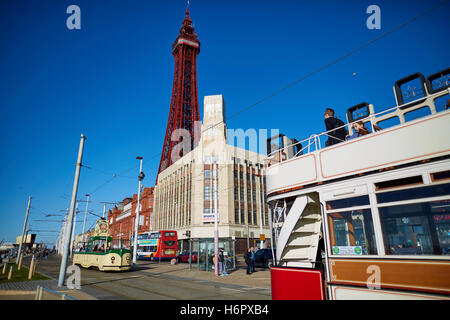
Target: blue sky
{"x":112,"y":81}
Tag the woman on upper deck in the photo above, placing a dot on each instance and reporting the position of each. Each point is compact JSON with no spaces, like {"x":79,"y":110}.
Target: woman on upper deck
{"x":359,"y":130}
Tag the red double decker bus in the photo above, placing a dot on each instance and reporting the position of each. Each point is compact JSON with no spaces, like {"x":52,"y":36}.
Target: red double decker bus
{"x":161,"y":244}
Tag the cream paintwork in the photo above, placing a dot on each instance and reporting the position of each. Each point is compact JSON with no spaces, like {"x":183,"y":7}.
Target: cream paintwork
{"x":103,"y":261}
{"x":417,"y":140}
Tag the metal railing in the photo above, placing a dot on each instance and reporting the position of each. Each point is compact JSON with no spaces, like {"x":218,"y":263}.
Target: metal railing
{"x":48,"y":294}
{"x":313,"y":143}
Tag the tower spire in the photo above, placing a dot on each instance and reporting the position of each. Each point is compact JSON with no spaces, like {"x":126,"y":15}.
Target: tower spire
{"x":184,"y":107}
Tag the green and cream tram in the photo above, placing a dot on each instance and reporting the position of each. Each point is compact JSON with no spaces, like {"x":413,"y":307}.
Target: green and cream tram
{"x":103,"y":252}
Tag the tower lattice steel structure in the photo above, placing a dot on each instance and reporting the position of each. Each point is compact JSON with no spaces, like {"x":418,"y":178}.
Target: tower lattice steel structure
{"x":184,"y":110}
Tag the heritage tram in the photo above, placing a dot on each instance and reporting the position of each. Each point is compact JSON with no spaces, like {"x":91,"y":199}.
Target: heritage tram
{"x":367,"y":218}
{"x":103,"y":252}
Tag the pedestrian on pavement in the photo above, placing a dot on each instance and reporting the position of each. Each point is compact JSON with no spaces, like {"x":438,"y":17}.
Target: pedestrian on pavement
{"x":248,"y":260}
{"x":253,"y":259}
{"x":222,"y":267}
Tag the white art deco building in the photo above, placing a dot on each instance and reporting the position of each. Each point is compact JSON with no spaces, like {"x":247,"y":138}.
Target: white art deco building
{"x":185,"y":195}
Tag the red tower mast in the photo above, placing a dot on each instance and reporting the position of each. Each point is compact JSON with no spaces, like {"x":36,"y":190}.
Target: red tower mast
{"x":184,"y":110}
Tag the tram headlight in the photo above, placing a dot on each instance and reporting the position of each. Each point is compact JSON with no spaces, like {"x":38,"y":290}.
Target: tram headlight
{"x":112,"y":259}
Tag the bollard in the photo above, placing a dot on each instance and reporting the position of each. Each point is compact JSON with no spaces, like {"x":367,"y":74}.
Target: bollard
{"x":4,"y":268}
{"x":34,"y":267}
{"x":30,"y":272}
{"x":20,"y":262}
{"x":10,"y":273}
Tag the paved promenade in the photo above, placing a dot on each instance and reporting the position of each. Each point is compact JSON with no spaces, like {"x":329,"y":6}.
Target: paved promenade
{"x":149,"y":280}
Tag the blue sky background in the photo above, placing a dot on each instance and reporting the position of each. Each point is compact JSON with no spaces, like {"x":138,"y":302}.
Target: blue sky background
{"x":112,"y":81}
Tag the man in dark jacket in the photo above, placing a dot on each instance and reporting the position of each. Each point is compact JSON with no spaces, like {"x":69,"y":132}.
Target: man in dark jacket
{"x":222,"y":266}
{"x":248,"y":260}
{"x":331,"y":123}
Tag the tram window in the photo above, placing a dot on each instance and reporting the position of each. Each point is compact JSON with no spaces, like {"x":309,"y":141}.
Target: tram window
{"x":418,"y":113}
{"x":417,"y":229}
{"x":352,"y":230}
{"x":384,"y":124}
{"x":348,"y":202}
{"x":398,"y":183}
{"x":443,"y":175}
{"x":414,"y":193}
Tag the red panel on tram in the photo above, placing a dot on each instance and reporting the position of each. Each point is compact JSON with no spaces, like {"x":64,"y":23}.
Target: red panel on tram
{"x":296,"y":284}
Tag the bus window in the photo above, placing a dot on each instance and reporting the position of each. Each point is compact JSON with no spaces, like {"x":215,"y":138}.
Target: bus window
{"x":417,"y":229}
{"x":169,"y":234}
{"x":351,"y":232}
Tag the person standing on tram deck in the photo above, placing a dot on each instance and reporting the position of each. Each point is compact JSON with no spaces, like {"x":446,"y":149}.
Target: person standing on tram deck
{"x":331,"y":123}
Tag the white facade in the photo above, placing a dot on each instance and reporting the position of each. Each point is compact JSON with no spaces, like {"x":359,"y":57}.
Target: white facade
{"x":184,"y":194}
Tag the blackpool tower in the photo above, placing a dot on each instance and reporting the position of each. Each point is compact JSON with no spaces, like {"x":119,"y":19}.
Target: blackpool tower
{"x":184,"y":110}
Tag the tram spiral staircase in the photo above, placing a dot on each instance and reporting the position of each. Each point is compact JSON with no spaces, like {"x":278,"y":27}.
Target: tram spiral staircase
{"x":298,"y":242}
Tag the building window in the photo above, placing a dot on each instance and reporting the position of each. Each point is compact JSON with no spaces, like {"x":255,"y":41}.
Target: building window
{"x":236,"y":214}
{"x":207,"y":173}
{"x":207,"y":193}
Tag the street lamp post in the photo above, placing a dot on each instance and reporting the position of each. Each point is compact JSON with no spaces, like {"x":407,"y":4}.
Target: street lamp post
{"x":136,"y":220}
{"x":260,"y":208}
{"x":72,"y":238}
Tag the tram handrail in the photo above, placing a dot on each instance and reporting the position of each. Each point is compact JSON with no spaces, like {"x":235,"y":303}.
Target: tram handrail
{"x":40,"y":289}
{"x":316,"y":137}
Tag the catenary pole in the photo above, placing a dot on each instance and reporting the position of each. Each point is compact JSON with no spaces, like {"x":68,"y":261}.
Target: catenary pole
{"x":23,"y":230}
{"x":62,"y":269}
{"x":136,"y":220}
{"x":216,"y":229}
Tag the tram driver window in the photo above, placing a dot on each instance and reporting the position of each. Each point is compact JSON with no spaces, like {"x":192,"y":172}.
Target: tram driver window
{"x":352,"y":233}
{"x":417,"y":229}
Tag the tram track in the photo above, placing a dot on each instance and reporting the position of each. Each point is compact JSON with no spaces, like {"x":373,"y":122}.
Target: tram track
{"x":120,"y":293}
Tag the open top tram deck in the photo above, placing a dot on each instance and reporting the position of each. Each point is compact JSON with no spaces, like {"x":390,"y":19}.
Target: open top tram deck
{"x":367,"y":218}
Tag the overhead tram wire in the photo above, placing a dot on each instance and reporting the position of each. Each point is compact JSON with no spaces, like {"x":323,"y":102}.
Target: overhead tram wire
{"x":333,"y":62}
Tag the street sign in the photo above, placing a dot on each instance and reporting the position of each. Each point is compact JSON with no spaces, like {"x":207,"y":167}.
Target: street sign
{"x":262,"y":237}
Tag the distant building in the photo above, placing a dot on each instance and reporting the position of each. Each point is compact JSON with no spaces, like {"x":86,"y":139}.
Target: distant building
{"x":28,"y":240}
{"x":184,"y":194}
{"x":121,"y":217}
